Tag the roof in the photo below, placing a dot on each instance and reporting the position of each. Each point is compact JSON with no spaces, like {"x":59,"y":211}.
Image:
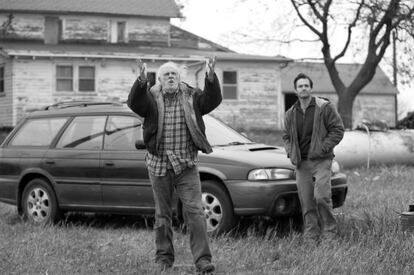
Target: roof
{"x":72,"y":108}
{"x":202,"y":39}
{"x":158,"y":8}
{"x":127,"y":52}
{"x":380,"y":84}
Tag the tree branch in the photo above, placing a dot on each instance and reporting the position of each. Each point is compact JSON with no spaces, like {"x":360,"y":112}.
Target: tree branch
{"x":312,"y":28}
{"x":388,"y":15}
{"x":315,"y":10}
{"x":350,"y":26}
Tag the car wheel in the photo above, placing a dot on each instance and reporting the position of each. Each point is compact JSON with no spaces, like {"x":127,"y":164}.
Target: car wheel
{"x":39,"y":202}
{"x":217,"y":208}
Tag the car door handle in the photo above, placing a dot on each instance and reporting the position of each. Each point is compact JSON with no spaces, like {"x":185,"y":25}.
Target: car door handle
{"x":50,"y":161}
{"x":109,"y":163}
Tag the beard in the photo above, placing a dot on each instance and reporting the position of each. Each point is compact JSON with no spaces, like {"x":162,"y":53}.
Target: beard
{"x":170,"y":90}
{"x":170,"y":87}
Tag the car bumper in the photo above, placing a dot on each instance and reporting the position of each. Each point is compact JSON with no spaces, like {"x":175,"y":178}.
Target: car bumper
{"x":277,"y":198}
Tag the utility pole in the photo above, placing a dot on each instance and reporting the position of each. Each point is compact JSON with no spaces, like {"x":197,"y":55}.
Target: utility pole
{"x":394,"y":67}
{"x":394,"y":57}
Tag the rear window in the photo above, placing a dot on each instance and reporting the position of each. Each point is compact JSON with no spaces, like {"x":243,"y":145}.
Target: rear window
{"x":38,"y":132}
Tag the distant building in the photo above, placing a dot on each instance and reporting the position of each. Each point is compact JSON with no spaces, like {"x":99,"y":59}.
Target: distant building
{"x":376,"y":101}
{"x":60,"y":50}
{"x":55,"y":50}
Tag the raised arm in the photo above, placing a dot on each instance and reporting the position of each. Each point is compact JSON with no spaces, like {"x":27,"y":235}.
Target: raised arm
{"x":211,"y":96}
{"x":138,"y":98}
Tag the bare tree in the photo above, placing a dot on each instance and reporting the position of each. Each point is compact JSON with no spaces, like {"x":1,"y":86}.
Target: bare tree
{"x":380,"y":17}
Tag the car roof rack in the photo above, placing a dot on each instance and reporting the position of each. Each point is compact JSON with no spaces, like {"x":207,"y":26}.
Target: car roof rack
{"x":75,"y":103}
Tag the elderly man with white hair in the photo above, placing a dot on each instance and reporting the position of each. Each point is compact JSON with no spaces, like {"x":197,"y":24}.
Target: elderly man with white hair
{"x":174,"y":131}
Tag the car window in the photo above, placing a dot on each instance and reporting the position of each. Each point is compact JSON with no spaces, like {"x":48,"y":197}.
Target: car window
{"x":122,"y":132}
{"x":220,"y":134}
{"x":84,"y":132}
{"x":38,"y":132}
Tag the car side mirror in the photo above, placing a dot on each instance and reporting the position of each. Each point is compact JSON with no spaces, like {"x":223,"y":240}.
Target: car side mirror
{"x":139,"y":144}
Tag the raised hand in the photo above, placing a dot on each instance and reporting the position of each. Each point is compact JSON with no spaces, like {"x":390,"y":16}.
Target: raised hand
{"x":210,"y":64}
{"x":142,"y":68}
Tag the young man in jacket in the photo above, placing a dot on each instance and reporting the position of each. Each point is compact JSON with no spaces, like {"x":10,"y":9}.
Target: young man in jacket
{"x":313,"y":128}
{"x":174,"y":131}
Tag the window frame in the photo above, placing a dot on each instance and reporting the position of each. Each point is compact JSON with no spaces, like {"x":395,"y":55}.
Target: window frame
{"x":2,"y":78}
{"x":121,"y":37}
{"x":76,"y":78}
{"x":155,"y":77}
{"x":64,"y":129}
{"x":230,"y":85}
{"x":86,"y":78}
{"x":52,"y":143}
{"x":109,"y":116}
{"x":65,"y":78}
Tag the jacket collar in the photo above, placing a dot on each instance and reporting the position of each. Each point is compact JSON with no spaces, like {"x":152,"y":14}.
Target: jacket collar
{"x":156,"y":90}
{"x":316,"y":100}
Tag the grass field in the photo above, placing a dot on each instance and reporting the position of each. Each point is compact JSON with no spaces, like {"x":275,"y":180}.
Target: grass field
{"x":370,"y":239}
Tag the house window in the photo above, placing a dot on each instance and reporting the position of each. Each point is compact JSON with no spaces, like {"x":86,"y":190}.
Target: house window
{"x":121,"y":31}
{"x":151,"y":78}
{"x":86,"y":79}
{"x":75,"y":78}
{"x":118,"y":31}
{"x":64,"y":78}
{"x":1,"y":80}
{"x":52,"y":29}
{"x":229,"y":85}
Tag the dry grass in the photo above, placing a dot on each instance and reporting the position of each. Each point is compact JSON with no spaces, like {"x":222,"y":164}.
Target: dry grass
{"x":370,"y":239}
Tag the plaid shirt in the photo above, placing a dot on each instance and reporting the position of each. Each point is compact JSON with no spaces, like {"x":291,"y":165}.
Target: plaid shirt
{"x":177,"y":150}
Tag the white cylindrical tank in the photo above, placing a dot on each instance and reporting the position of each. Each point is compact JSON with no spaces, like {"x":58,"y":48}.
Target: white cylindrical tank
{"x":358,"y":148}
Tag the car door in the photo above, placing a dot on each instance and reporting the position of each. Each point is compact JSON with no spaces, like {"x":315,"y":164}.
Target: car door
{"x":125,"y":182}
{"x":24,"y":150}
{"x":74,"y":163}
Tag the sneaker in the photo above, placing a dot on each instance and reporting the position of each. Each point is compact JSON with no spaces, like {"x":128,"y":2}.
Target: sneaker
{"x":204,"y":266}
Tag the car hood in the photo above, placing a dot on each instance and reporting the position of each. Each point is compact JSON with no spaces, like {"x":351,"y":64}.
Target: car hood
{"x":254,"y":155}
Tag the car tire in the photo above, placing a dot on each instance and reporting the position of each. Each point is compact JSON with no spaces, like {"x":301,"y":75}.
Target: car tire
{"x":39,"y":203}
{"x":217,"y":208}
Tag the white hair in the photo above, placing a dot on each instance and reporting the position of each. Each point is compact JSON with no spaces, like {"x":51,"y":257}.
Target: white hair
{"x":168,"y":65}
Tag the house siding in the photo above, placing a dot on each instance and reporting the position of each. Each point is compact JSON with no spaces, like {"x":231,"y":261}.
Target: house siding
{"x":35,"y":83}
{"x":21,"y":26}
{"x":32,"y":86}
{"x":259,"y":90}
{"x":374,"y":107}
{"x":148,"y":31}
{"x":256,"y":106}
{"x":85,"y":28}
{"x":369,"y":107}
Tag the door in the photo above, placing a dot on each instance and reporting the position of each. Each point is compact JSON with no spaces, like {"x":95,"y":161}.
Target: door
{"x":74,"y":163}
{"x":125,"y":182}
{"x":25,"y":151}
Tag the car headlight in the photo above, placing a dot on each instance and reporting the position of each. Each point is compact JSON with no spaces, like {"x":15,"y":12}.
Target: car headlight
{"x":335,"y":168}
{"x":270,"y":174}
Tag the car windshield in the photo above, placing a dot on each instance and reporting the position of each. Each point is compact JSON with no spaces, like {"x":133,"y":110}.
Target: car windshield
{"x":219,"y":134}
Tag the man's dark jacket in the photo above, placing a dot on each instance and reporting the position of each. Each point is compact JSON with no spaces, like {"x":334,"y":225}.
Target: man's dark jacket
{"x":149,"y":104}
{"x":328,"y":131}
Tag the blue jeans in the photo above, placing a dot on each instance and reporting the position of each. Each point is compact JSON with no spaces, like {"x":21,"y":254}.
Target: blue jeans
{"x":188,"y":188}
{"x":313,"y":179}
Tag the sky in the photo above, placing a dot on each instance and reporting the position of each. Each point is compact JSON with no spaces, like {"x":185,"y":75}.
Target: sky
{"x":227,"y":23}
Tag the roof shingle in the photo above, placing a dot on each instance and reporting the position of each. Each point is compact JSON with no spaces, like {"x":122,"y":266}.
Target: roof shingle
{"x":158,"y":8}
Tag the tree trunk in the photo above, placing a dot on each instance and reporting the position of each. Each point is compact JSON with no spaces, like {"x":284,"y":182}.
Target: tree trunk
{"x":345,"y":104}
